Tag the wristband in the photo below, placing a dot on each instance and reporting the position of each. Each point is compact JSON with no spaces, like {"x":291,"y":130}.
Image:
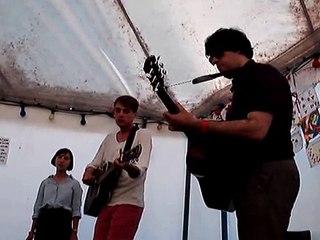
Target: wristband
{"x":204,"y":125}
{"x":74,"y":230}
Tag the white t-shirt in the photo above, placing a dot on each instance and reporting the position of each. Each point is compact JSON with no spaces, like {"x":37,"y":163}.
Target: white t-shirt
{"x":128,"y":190}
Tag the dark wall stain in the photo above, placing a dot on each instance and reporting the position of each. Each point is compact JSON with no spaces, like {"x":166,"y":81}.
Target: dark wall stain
{"x":313,"y":7}
{"x":301,"y":21}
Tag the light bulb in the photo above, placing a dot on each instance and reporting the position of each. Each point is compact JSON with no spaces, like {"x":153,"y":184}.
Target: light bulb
{"x":144,"y":122}
{"x":23,"y":112}
{"x":51,"y":116}
{"x":83,"y":119}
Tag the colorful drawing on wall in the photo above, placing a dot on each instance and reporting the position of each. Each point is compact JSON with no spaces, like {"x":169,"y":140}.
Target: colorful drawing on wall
{"x":310,"y":125}
{"x":313,"y":152}
{"x":4,"y":149}
{"x":219,"y":113}
{"x":307,"y":101}
{"x":216,"y":114}
{"x":296,"y":139}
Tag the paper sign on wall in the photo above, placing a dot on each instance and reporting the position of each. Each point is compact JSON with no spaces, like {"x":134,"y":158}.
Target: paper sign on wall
{"x":296,"y":139}
{"x":4,"y":149}
{"x":313,"y":152}
{"x":308,"y":101}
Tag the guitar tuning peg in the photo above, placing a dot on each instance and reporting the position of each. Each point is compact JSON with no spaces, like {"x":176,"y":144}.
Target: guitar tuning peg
{"x":152,"y":79}
{"x":158,"y":60}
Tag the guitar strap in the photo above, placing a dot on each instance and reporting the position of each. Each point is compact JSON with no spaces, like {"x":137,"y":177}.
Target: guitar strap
{"x":130,"y":138}
{"x":128,"y":145}
{"x":116,"y":173}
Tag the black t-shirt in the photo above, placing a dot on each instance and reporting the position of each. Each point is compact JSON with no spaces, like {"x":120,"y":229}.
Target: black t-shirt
{"x":260,"y":87}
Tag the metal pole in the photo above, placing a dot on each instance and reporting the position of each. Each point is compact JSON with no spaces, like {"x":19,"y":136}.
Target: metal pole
{"x":185,"y":228}
{"x":224,"y":225}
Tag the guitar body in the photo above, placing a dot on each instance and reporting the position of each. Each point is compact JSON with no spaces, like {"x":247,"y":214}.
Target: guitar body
{"x":215,"y":172}
{"x":205,"y":156}
{"x":92,"y":204}
{"x":99,"y":194}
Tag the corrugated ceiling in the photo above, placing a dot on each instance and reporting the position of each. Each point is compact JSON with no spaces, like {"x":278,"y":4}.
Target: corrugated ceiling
{"x":82,"y":54}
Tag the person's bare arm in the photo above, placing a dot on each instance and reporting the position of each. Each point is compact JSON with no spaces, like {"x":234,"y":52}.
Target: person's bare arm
{"x":255,"y":126}
{"x":74,"y":231}
{"x":88,"y":177}
{"x":32,"y":230}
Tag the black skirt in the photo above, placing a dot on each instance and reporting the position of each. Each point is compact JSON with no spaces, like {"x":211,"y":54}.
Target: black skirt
{"x":53,"y":224}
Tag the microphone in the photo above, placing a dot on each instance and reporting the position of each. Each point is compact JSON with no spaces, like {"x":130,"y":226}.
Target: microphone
{"x":206,"y":78}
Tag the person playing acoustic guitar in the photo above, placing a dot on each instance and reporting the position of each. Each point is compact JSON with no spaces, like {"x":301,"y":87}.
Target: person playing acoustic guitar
{"x":119,"y":218}
{"x":259,"y":119}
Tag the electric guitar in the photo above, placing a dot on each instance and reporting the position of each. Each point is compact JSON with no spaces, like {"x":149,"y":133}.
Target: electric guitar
{"x":107,"y":176}
{"x":205,"y":156}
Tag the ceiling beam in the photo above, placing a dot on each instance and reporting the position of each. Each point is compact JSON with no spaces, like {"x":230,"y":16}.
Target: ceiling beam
{"x":298,"y":53}
{"x":135,"y":30}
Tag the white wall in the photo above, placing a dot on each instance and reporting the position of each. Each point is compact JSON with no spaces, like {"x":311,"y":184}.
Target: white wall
{"x":33,"y":141}
{"x":306,"y":213}
{"x":204,"y":222}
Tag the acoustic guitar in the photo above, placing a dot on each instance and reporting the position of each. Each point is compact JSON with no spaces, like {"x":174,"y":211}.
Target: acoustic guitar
{"x":206,"y":155}
{"x":107,"y":176}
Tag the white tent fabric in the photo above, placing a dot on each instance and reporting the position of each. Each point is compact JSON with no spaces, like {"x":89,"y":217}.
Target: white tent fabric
{"x":81,"y":54}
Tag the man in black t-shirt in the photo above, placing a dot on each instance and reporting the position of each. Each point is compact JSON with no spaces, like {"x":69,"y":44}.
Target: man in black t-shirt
{"x":258,"y":125}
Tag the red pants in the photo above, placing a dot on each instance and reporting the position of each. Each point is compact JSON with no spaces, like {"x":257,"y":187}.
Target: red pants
{"x":118,"y":222}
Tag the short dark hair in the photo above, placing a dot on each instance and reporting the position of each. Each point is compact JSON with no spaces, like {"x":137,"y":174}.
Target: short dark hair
{"x":128,"y":102}
{"x":63,"y":151}
{"x":228,"y":39}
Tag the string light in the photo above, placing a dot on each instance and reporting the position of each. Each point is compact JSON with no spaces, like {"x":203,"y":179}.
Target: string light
{"x":144,"y":122}
{"x":71,"y":110}
{"x":51,"y":117}
{"x":23,"y":112}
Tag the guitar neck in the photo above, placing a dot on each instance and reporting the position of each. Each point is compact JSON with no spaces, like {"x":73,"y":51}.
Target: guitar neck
{"x":167,"y":101}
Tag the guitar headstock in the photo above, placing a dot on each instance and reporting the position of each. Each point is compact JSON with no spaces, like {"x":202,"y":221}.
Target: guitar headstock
{"x":132,"y":155}
{"x":154,"y":72}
